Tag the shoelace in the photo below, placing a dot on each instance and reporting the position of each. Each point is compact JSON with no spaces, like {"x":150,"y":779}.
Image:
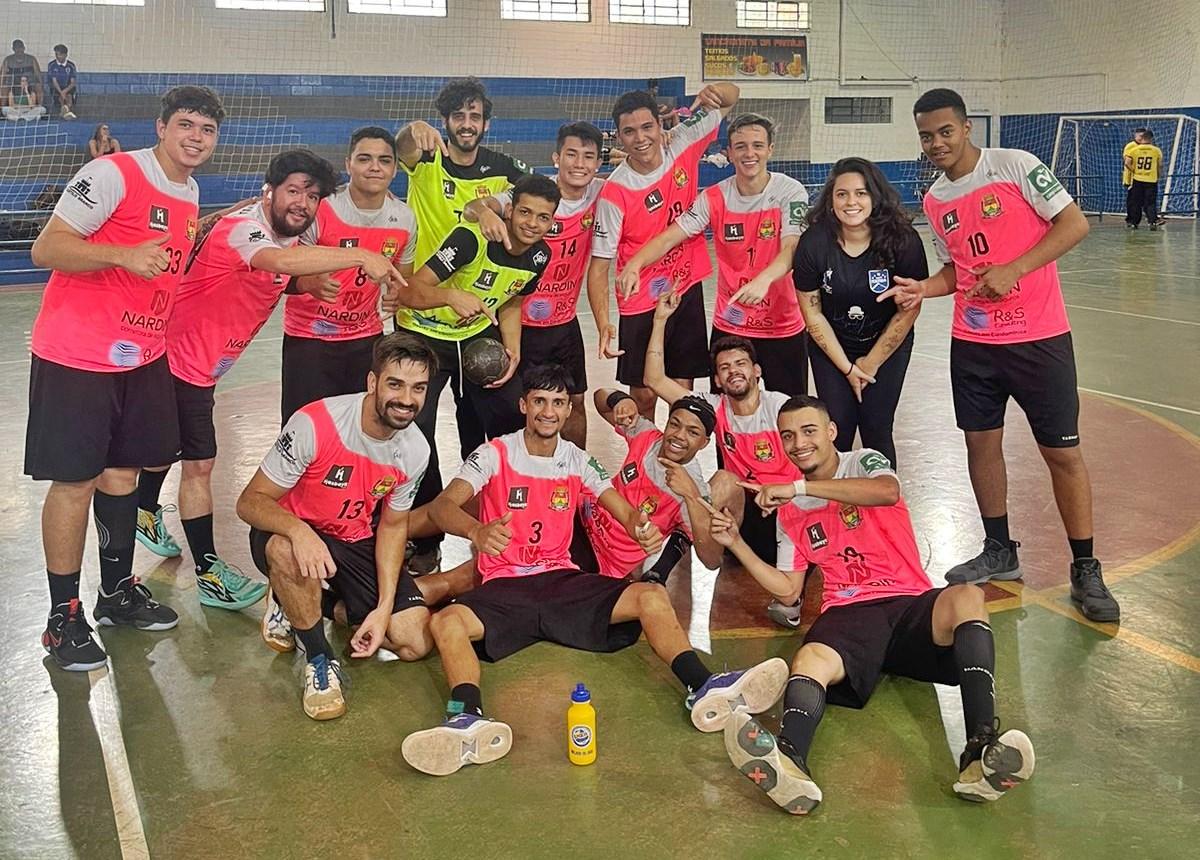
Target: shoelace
{"x":231,"y":577}
{"x":160,"y":525}
{"x":75,"y":629}
{"x":322,"y":666}
{"x":138,"y":593}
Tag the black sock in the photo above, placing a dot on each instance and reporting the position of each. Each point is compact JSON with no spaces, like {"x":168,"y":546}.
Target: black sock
{"x":148,"y":488}
{"x":1081,"y":548}
{"x":314,"y":641}
{"x":470,"y":697}
{"x":803,"y":707}
{"x":673,"y":550}
{"x":199,"y":532}
{"x":975,"y":657}
{"x":63,"y":588}
{"x":997,"y":528}
{"x":116,"y":521}
{"x":690,"y":670}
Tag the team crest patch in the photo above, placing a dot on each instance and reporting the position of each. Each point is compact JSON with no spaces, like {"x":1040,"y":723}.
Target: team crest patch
{"x":518,"y":498}
{"x":193,"y":227}
{"x":515,"y":287}
{"x":816,"y":536}
{"x":629,"y":472}
{"x":950,"y":222}
{"x":877,"y":280}
{"x":390,"y":246}
{"x":587,"y":220}
{"x":680,"y":177}
{"x":448,"y":189}
{"x":766,"y":230}
{"x":989,"y":206}
{"x":481,"y":191}
{"x":654,"y":201}
{"x":560,"y":499}
{"x":727,"y":440}
{"x":383,"y":486}
{"x":850,"y":516}
{"x":338,"y":477}
{"x":735,"y":232}
{"x":649,"y":505}
{"x":158,"y":218}
{"x":763,"y":450}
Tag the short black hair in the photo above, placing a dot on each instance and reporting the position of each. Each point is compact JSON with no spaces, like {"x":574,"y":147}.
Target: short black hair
{"x":191,"y":99}
{"x":536,"y":185}
{"x":747,"y":119}
{"x":698,"y":407}
{"x":401,"y":346}
{"x":60,"y":48}
{"x":728,"y":342}
{"x":292,"y":161}
{"x":932,"y":100}
{"x":17,"y":43}
{"x":632,"y":101}
{"x":804,"y":401}
{"x":1148,"y":134}
{"x":461,"y":91}
{"x":585,"y":131}
{"x":545,"y":377}
{"x":372,"y":132}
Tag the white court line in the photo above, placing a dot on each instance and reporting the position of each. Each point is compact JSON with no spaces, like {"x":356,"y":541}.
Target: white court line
{"x":1132,"y":314}
{"x":126,"y":812}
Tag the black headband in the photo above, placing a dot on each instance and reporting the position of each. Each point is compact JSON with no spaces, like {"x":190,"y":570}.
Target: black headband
{"x":699,"y":407}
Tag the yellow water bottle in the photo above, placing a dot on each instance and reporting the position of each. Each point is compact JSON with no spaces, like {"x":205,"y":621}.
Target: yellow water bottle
{"x":581,"y":727}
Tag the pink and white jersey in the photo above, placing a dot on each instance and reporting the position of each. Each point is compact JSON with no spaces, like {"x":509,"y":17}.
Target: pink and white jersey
{"x":336,"y":475}
{"x":542,"y":494}
{"x":570,"y":240}
{"x":635,"y":207}
{"x":390,"y":230}
{"x":750,"y":444}
{"x":865,"y":553}
{"x":992,"y":216}
{"x":747,"y":234}
{"x":223,"y":299}
{"x":111,"y":320}
{"x":641,"y":481}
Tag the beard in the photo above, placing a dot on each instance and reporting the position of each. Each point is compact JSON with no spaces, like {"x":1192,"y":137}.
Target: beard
{"x":280,"y":225}
{"x":386,"y":418}
{"x":469,"y":146}
{"x":743,"y":386}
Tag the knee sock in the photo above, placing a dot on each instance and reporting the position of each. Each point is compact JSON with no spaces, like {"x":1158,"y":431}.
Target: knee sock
{"x":148,"y":489}
{"x":690,"y":670}
{"x":997,"y":528}
{"x":116,"y":521}
{"x":314,"y":641}
{"x":63,"y":588}
{"x":803,"y":707}
{"x":975,"y":656}
{"x":1081,"y":548}
{"x":199,"y":532}
{"x":469,"y":696}
{"x":673,"y":550}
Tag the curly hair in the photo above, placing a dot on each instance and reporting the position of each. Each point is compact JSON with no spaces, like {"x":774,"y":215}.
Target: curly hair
{"x":462,"y":91}
{"x":888,"y":222}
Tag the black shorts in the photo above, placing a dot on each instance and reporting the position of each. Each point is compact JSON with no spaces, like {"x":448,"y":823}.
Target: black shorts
{"x":314,"y":369}
{"x":82,"y":422}
{"x":784,"y":360}
{"x":1039,"y":375}
{"x":892,"y":635}
{"x":355,"y":581}
{"x":566,"y":607}
{"x":197,"y":433}
{"x":556,"y":344}
{"x":685,"y":345}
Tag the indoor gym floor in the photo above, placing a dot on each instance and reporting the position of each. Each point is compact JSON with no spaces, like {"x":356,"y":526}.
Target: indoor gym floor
{"x":193,"y":743}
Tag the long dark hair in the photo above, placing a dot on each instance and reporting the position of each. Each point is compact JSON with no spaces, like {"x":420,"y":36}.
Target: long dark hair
{"x":888,"y":222}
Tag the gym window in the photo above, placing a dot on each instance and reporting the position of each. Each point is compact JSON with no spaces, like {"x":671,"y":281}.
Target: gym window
{"x":92,"y":2}
{"x":674,"y":12}
{"x":274,"y":5}
{"x":840,"y":111}
{"x":425,"y":8}
{"x":546,"y":10}
{"x":772,"y":15}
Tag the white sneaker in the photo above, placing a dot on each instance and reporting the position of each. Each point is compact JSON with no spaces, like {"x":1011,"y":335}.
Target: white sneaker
{"x":1007,"y":761}
{"x":276,"y":629}
{"x":784,"y":615}
{"x":323,"y":699}
{"x":462,"y":739}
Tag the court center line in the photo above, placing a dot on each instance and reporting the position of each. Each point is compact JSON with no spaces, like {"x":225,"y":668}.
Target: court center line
{"x":126,"y":812}
{"x":1132,"y":314}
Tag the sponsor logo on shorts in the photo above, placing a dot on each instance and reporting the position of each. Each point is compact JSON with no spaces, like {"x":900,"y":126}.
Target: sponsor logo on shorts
{"x":349,"y":242}
{"x":560,"y":498}
{"x":518,"y":498}
{"x":1044,"y":182}
{"x":878,"y":280}
{"x":735,"y":232}
{"x":338,"y":477}
{"x":816,"y":536}
{"x":850,"y":516}
{"x":159,"y":216}
{"x":766,"y":229}
{"x":383,"y":486}
{"x":989,"y":206}
{"x":763,"y":450}
{"x":654,"y":201}
{"x":950,"y":222}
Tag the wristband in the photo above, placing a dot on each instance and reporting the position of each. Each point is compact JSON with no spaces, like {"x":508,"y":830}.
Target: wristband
{"x":851,"y":370}
{"x":615,"y":398}
{"x":798,"y":486}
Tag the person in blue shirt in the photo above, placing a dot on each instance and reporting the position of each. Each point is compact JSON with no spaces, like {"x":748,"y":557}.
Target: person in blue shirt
{"x":62,"y":77}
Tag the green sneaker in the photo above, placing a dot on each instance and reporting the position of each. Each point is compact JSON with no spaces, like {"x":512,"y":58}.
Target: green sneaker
{"x":223,"y":586}
{"x":153,"y":535}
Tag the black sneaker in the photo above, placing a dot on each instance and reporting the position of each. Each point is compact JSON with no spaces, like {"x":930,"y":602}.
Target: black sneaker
{"x":997,"y":561}
{"x":994,"y":763}
{"x":132,"y":606}
{"x":422,"y":563}
{"x":1089,"y":592}
{"x":68,"y":639}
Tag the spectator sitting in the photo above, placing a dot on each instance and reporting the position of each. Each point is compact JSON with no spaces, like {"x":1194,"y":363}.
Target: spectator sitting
{"x":63,"y":78}
{"x":102,"y":143}
{"x":23,"y":102}
{"x":19,"y":63}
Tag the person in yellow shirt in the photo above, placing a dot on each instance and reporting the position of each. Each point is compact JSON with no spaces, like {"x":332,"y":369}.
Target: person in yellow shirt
{"x":1126,"y":179}
{"x":1142,"y":162}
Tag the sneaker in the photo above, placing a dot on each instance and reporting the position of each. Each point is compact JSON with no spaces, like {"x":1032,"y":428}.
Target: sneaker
{"x":462,"y":739}
{"x":752,"y":690}
{"x":323,"y":679}
{"x":132,"y":606}
{"x":422,"y":563}
{"x":755,"y":753}
{"x":997,"y":561}
{"x":276,"y":629}
{"x":223,"y":586}
{"x":68,"y":639}
{"x":784,"y":615}
{"x":153,"y":535}
{"x":1154,"y":227}
{"x":70,"y":115}
{"x":1089,"y":592}
{"x":1129,"y":226}
{"x":991,"y":765}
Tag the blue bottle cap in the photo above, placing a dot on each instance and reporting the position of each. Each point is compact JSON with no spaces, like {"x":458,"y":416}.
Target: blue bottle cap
{"x":581,"y":694}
